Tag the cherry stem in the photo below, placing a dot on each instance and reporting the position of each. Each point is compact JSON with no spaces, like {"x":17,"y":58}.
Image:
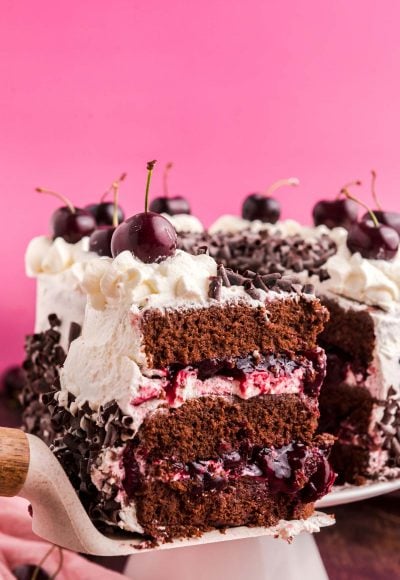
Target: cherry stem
{"x":165,"y":178}
{"x":375,"y":197}
{"x":38,"y":566}
{"x":64,"y":199}
{"x":347,"y":185}
{"x":292,"y":181}
{"x":345,"y":192}
{"x":111,"y":188}
{"x":150,"y":167}
{"x":60,"y":563}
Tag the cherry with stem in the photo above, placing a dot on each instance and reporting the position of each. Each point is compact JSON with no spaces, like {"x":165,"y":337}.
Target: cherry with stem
{"x":389,"y":218}
{"x":339,"y":212}
{"x":166,"y":204}
{"x":263,"y":207}
{"x":100,"y":240}
{"x":370,"y":238}
{"x":147,"y":235}
{"x":69,"y":222}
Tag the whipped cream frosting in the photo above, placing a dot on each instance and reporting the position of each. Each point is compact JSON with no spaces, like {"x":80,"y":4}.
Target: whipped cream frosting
{"x":46,"y":256}
{"x":368,"y":281}
{"x":184,"y":222}
{"x":59,"y":269}
{"x":371,"y":282}
{"x":180,"y":280}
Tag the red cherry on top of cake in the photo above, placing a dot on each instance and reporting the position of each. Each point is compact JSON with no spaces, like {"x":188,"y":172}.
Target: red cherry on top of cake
{"x":148,"y":235}
{"x":370,"y":238}
{"x":387,"y":218}
{"x":170,"y":205}
{"x":339,"y":212}
{"x":69,"y":222}
{"x":259,"y":206}
{"x":104,"y":212}
{"x":100,"y":240}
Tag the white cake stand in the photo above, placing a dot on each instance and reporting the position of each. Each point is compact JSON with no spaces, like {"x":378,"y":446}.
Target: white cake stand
{"x":263,"y":558}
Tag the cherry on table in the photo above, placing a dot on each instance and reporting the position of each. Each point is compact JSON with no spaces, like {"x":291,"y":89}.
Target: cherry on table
{"x":12,"y":382}
{"x":378,"y":242}
{"x":263,"y":207}
{"x":166,"y":204}
{"x":27,"y":571}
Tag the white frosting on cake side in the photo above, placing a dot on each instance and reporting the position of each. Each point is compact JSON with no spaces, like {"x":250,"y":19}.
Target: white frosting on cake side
{"x":59,"y":269}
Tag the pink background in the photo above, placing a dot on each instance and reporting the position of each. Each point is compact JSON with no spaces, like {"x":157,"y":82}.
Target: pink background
{"x":236,"y":93}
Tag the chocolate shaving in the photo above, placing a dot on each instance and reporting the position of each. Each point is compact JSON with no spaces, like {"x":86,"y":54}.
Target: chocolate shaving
{"x":75,"y":330}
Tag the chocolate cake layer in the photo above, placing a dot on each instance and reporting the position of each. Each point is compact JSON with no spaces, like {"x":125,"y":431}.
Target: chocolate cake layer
{"x":167,"y":513}
{"x":351,"y":463}
{"x":202,"y":427}
{"x":352,"y":331}
{"x":190,"y":336}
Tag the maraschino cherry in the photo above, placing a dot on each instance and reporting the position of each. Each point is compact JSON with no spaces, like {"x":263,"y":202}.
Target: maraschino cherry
{"x":370,"y":238}
{"x":148,"y":235}
{"x":388,"y":218}
{"x":100,"y":240}
{"x":258,"y":206}
{"x":104,"y":211}
{"x":69,"y":222}
{"x":166,"y":204}
{"x":339,"y":212}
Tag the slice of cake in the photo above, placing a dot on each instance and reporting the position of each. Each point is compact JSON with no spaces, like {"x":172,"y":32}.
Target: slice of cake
{"x":190,"y":401}
{"x":359,"y":398}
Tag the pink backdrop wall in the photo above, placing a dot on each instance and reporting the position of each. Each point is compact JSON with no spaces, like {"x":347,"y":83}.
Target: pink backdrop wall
{"x":236,"y":93}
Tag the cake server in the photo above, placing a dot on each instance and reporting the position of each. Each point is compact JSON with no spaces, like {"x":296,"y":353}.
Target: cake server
{"x":29,"y":469}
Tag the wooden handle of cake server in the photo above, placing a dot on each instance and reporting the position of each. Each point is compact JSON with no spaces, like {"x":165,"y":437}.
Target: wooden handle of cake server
{"x":14,"y":461}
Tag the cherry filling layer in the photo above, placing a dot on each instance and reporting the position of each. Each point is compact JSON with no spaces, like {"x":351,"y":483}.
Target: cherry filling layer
{"x":294,"y":469}
{"x":245,"y":377}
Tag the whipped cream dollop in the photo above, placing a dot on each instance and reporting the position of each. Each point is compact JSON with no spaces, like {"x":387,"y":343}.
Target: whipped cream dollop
{"x":186,"y":223}
{"x":59,"y":269}
{"x":372,"y":282}
{"x":181,"y":280}
{"x":46,"y":256}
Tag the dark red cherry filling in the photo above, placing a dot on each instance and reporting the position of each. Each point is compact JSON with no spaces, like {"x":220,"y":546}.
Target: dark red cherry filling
{"x":239,"y":368}
{"x":293,"y":469}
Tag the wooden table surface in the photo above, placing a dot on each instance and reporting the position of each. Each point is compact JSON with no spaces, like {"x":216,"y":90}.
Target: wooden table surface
{"x":363,"y":545}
